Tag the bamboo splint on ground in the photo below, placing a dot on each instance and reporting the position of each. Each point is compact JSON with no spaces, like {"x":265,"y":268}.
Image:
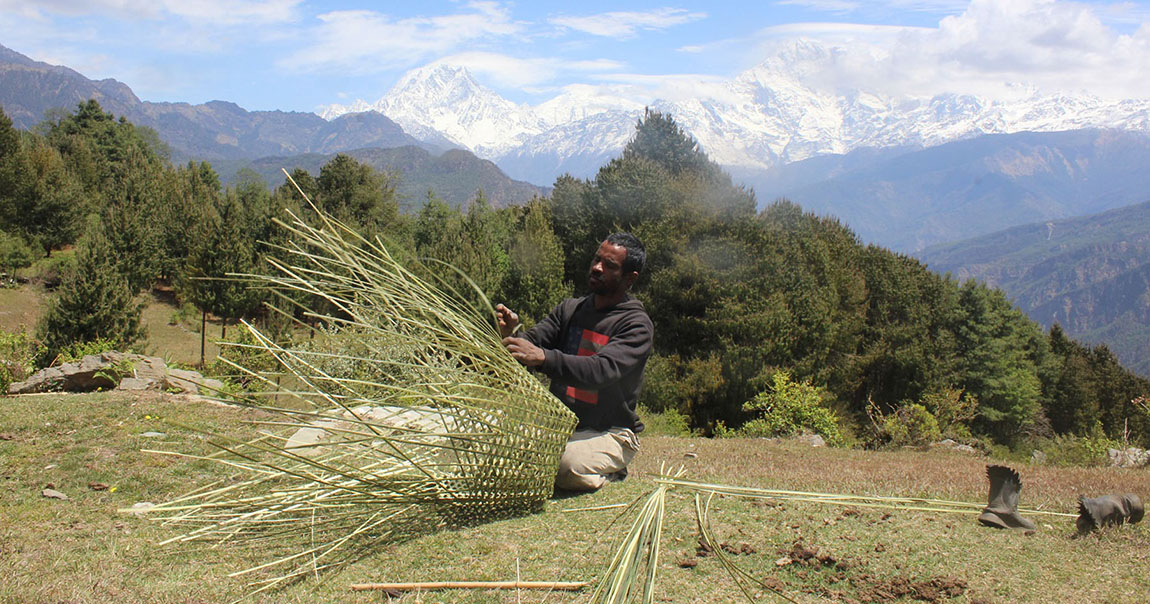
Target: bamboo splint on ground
{"x":434,"y":585}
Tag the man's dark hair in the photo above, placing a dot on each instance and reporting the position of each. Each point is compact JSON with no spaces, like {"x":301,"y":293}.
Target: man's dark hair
{"x":636,"y":253}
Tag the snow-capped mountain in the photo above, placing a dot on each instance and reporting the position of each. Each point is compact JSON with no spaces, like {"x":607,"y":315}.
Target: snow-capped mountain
{"x":775,"y":113}
{"x":446,"y":100}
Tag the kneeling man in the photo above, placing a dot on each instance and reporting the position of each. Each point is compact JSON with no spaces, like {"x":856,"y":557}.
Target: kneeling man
{"x":594,"y":349}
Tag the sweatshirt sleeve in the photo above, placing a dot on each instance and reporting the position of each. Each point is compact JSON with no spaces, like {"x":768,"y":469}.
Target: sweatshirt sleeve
{"x":546,"y":333}
{"x":629,"y":346}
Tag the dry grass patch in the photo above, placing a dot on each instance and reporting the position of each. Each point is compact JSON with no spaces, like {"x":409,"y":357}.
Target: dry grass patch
{"x":82,"y":550}
{"x":20,"y":307}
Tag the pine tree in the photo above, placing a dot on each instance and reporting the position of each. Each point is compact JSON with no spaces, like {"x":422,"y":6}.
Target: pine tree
{"x":224,"y":248}
{"x":94,"y":302}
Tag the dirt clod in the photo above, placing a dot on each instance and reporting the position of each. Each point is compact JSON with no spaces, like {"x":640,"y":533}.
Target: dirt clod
{"x":738,"y":550}
{"x":935,"y":589}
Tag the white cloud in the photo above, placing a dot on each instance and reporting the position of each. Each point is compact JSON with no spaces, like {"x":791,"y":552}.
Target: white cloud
{"x":514,"y":72}
{"x":828,"y":6}
{"x":989,"y":49}
{"x":233,"y":12}
{"x":362,"y":41}
{"x":854,"y":6}
{"x":216,"y":12}
{"x":646,"y":88}
{"x":625,"y":24}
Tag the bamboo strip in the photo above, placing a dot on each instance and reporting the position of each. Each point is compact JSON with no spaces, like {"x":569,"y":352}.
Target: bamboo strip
{"x":433,"y":585}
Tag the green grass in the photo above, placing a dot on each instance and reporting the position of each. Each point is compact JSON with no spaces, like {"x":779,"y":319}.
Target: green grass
{"x":20,"y":307}
{"x":178,"y":342}
{"x":83,"y":550}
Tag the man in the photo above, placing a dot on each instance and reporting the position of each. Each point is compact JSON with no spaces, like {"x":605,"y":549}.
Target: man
{"x":594,"y":349}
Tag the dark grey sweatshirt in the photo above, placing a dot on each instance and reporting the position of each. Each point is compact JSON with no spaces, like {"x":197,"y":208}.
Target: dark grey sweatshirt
{"x":595,"y":359}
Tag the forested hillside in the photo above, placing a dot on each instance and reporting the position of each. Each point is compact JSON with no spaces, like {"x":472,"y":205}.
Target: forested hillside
{"x":744,"y":302}
{"x":1090,"y":275}
{"x":456,"y":176}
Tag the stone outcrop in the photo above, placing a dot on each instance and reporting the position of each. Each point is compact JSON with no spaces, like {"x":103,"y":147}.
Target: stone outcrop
{"x":1131,"y":457}
{"x":116,"y":371}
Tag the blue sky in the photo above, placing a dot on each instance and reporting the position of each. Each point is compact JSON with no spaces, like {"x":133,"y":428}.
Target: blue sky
{"x":301,"y":55}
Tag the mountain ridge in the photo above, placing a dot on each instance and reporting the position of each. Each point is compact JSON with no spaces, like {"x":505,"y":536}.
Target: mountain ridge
{"x":763,"y":117}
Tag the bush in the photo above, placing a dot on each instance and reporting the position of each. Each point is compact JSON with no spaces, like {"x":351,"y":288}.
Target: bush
{"x":1089,"y":450}
{"x":789,"y":408}
{"x":78,"y":350}
{"x":18,"y":354}
{"x":15,"y":253}
{"x":665,"y":423}
{"x":247,"y":354}
{"x":50,"y":271}
{"x":911,"y":425}
{"x":952,"y":408}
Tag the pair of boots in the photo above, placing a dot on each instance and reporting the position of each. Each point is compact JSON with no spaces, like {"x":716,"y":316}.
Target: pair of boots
{"x":1001,"y":509}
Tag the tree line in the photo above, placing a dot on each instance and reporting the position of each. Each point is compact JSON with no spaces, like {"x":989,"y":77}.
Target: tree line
{"x":738,"y":296}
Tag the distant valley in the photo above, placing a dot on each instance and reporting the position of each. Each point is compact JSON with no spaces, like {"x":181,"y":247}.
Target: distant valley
{"x":1089,"y":274}
{"x":909,"y":199}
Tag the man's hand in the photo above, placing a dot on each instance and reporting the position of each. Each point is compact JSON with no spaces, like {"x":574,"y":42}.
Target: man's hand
{"x":508,"y":320}
{"x":524,"y":351}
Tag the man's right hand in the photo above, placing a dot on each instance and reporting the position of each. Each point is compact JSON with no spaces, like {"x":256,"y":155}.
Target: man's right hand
{"x":508,"y":320}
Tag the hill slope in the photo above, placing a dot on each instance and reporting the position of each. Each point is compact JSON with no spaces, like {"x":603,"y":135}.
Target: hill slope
{"x":215,"y":130}
{"x":1089,"y":274}
{"x":455,"y":176}
{"x":909,"y":200}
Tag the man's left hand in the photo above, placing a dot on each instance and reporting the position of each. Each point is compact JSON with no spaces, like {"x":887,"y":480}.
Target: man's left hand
{"x":524,"y":351}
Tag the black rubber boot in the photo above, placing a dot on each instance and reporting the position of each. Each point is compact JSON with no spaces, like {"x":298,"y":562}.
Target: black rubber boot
{"x":1108,"y":510}
{"x":1001,"y":509}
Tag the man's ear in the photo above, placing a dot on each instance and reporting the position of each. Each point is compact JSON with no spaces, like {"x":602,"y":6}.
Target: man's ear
{"x":630,"y":278}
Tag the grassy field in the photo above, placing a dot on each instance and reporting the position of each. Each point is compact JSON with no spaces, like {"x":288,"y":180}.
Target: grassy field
{"x":20,"y":307}
{"x":83,"y":550}
{"x":177,"y":341}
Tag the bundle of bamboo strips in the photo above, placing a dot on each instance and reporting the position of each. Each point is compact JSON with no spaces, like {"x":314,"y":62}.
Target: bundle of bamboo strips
{"x":413,"y":417}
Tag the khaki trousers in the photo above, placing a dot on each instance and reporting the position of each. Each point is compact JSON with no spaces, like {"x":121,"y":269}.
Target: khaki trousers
{"x":592,"y":458}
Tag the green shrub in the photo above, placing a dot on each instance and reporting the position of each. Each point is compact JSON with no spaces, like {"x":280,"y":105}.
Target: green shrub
{"x":245,"y":354}
{"x":666,"y":423}
{"x":18,"y":354}
{"x":50,"y":270}
{"x":789,"y":408}
{"x":1068,"y":450}
{"x":15,"y":253}
{"x":78,"y":350}
{"x":187,"y":316}
{"x":952,"y":408}
{"x":911,"y":425}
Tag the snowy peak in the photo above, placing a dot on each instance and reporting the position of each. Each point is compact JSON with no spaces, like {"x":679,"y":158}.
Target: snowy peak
{"x":445,"y":100}
{"x":792,"y":106}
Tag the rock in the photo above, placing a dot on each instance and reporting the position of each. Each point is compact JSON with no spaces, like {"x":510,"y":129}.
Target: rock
{"x":423,"y":420}
{"x":954,"y":446}
{"x":135,"y":384}
{"x":1131,"y":457}
{"x":814,"y":440}
{"x":112,"y":369}
{"x":53,"y":494}
{"x":1038,"y":457}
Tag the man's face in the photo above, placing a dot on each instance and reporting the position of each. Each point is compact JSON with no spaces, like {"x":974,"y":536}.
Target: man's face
{"x":607,"y":276}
